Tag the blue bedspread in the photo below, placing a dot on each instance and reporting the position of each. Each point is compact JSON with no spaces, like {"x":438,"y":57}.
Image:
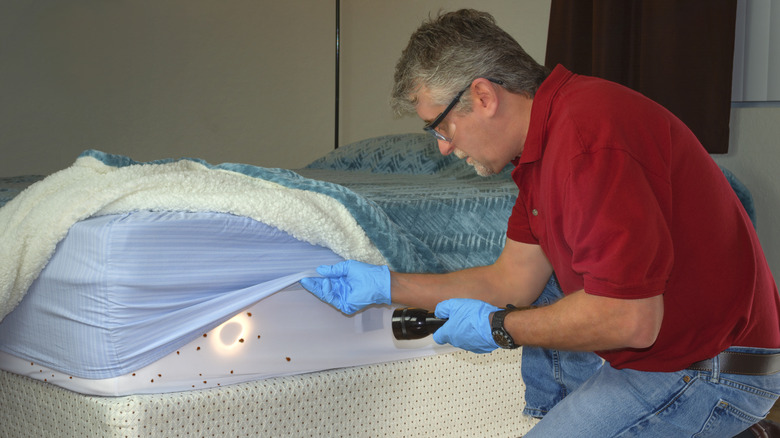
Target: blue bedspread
{"x":437,"y":207}
{"x":424,"y":212}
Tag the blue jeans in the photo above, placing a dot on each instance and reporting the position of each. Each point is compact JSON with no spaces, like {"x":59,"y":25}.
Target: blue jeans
{"x":630,"y":403}
{"x":551,"y":375}
{"x":577,"y":396}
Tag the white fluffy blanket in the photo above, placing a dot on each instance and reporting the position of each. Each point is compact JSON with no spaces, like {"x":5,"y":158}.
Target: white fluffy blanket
{"x":37,"y":219}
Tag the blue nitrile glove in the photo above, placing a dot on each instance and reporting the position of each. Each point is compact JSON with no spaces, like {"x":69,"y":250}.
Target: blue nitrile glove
{"x":467,"y":326}
{"x":351,"y":285}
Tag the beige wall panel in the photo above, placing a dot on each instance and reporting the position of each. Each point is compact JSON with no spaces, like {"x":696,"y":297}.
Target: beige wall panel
{"x":241,"y":80}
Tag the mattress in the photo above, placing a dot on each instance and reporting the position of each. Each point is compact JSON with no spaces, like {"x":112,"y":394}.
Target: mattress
{"x":151,"y":302}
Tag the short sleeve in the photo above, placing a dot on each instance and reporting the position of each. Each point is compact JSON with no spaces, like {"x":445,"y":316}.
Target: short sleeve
{"x":518,"y":228}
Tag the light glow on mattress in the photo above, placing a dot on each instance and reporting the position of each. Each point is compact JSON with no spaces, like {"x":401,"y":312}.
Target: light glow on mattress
{"x":232,"y":333}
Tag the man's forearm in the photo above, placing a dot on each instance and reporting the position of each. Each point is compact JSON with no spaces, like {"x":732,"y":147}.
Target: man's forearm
{"x":483,"y":283}
{"x":517,"y":277}
{"x":428,"y":290}
{"x":583,"y":322}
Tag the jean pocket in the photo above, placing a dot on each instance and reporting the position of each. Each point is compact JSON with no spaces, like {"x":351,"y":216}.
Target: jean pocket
{"x":726,"y":419}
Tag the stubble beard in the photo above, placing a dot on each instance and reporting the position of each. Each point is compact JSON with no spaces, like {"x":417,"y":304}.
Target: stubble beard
{"x":480,"y":168}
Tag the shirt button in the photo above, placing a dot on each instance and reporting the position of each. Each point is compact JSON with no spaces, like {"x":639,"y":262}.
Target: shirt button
{"x":535,"y":212}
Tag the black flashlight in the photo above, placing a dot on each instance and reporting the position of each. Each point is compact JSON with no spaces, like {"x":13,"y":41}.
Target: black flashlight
{"x":412,"y":323}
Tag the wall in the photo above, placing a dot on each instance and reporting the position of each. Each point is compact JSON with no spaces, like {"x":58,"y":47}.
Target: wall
{"x":242,"y":80}
{"x":246,"y":81}
{"x":754,"y":157}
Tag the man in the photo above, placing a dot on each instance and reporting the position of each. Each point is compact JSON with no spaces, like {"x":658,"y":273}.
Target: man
{"x":662,"y":271}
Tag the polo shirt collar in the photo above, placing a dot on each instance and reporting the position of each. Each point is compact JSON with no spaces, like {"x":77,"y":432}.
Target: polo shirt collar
{"x":540,"y":111}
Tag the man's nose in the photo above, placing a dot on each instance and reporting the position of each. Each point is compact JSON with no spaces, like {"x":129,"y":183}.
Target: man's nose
{"x":445,"y":147}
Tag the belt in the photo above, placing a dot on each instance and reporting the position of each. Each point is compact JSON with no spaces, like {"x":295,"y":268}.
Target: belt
{"x":742,"y":363}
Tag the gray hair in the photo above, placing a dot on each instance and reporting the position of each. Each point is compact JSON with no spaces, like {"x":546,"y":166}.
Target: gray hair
{"x":449,"y":51}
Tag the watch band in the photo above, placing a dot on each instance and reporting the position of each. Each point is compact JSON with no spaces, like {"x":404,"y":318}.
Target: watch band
{"x":500,"y":334}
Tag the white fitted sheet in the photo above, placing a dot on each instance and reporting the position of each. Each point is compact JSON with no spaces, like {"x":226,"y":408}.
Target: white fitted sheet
{"x":125,"y":302}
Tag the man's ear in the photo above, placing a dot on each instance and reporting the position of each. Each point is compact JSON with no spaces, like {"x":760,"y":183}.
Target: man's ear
{"x":486,"y":96}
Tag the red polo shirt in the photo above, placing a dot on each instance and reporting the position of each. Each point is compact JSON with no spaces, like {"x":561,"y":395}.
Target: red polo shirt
{"x":626,"y":203}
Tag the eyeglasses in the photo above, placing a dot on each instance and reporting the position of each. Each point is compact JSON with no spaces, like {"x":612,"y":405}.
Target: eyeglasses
{"x":431,"y":127}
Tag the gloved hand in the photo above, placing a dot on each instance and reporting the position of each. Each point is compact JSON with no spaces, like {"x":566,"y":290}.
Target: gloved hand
{"x":351,"y":285}
{"x":468,"y":325}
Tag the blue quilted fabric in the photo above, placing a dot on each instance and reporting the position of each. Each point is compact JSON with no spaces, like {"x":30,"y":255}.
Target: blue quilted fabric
{"x":401,"y":153}
{"x":452,"y":217}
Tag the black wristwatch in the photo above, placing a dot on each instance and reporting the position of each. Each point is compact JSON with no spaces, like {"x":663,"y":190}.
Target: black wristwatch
{"x":500,"y":335}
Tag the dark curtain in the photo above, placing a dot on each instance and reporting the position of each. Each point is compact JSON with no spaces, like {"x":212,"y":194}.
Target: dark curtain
{"x":676,"y":52}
